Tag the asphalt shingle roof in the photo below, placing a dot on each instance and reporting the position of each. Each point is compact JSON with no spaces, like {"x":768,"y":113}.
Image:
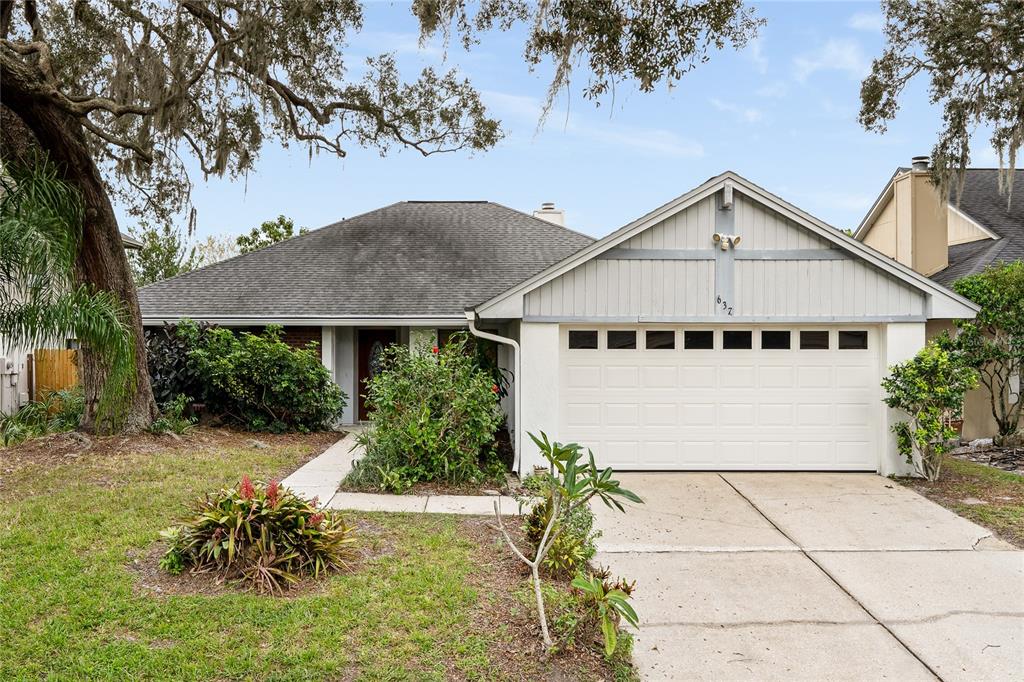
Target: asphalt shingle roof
{"x":413,"y":258}
{"x":984,"y":204}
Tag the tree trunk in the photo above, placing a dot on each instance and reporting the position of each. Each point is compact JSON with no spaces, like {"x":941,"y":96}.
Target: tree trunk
{"x":102,"y":262}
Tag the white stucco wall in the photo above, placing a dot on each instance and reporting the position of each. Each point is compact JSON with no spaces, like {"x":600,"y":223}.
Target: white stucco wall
{"x":539,"y":386}
{"x":900,"y":341}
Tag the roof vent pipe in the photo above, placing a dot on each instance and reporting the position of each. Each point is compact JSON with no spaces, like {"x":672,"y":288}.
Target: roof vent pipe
{"x":920,"y":163}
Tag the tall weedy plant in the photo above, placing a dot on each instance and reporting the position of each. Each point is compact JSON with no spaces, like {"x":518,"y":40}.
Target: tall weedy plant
{"x":572,"y":482}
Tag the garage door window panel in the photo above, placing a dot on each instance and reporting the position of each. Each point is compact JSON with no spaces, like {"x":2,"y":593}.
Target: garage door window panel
{"x":619,"y":339}
{"x":853,"y":340}
{"x":660,"y":339}
{"x":814,"y":340}
{"x":699,"y":339}
{"x":580,"y":339}
{"x":733,"y":339}
{"x":775,"y":339}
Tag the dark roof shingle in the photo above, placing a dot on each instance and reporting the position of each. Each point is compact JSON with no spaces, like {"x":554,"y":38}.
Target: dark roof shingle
{"x":983,"y":203}
{"x":408,"y":259}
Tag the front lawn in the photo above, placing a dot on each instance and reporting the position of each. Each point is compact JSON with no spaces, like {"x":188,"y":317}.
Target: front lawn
{"x":988,"y":496}
{"x":79,"y":597}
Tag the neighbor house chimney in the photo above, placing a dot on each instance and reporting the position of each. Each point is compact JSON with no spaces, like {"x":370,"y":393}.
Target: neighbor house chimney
{"x":920,"y":219}
{"x":551,"y":214}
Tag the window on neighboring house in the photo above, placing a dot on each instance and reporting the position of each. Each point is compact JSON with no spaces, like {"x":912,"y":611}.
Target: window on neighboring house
{"x":853,"y":340}
{"x":661,"y":339}
{"x":733,"y":339}
{"x":582,"y":339}
{"x":622,"y":339}
{"x":814,"y":340}
{"x":774,"y":339}
{"x":699,"y":339}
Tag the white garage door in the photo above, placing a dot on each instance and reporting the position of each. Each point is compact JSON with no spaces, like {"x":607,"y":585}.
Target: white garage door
{"x":736,"y":397}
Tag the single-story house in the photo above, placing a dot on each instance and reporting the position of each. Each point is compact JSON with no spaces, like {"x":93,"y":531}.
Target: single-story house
{"x":949,"y":239}
{"x":727,"y":329}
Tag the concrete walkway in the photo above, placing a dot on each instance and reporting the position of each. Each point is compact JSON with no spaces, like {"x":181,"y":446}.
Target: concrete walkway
{"x":812,"y":576}
{"x":320,"y":477}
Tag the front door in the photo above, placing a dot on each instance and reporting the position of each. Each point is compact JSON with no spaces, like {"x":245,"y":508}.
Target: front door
{"x":372,"y":343}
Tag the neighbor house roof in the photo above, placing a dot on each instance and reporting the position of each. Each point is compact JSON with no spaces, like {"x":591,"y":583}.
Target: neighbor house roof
{"x":411,"y":259}
{"x":982,"y":202}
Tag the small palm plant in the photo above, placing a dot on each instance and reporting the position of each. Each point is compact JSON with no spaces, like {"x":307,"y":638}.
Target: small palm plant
{"x":40,"y":301}
{"x":571,"y":482}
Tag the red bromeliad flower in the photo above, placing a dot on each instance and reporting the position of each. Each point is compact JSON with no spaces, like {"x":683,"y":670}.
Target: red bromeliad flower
{"x":494,"y":388}
{"x":245,"y":488}
{"x":316,"y":519}
{"x":315,"y":502}
{"x":273,"y":489}
{"x":435,"y":350}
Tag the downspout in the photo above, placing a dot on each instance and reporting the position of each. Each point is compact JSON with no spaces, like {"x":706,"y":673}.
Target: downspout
{"x":517,"y":436}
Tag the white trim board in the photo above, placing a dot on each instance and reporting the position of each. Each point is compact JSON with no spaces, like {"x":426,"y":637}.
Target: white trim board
{"x":942,"y":303}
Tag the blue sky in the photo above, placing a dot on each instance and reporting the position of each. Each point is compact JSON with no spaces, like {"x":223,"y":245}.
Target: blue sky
{"x":782,"y":113}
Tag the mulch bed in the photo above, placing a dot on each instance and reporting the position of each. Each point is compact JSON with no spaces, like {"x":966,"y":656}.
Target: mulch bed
{"x":521,"y":653}
{"x":1006,"y":458}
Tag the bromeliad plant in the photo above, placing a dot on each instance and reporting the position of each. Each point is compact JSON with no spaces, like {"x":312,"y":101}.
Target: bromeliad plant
{"x":570,"y":483}
{"x":930,"y":388}
{"x":264,"y":536}
{"x":610,"y":604}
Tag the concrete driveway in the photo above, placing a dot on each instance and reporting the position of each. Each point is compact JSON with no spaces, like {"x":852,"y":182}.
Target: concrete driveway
{"x":760,"y":576}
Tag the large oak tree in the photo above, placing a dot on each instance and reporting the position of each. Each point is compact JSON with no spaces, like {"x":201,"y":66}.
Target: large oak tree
{"x":121,"y":93}
{"x":972,"y":52}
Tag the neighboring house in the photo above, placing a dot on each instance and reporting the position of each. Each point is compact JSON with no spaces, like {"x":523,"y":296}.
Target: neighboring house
{"x":947,"y":240}
{"x":16,"y":375}
{"x":726,"y":329}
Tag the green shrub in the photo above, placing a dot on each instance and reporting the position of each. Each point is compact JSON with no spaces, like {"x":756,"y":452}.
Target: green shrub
{"x":930,"y":388}
{"x":261,"y":382}
{"x":433,"y":415}
{"x":574,"y":547}
{"x":172,"y":417}
{"x":172,"y":372}
{"x":608,"y":604}
{"x":264,"y":536}
{"x":54,"y":412}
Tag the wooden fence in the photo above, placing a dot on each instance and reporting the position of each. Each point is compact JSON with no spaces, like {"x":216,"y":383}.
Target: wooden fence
{"x":54,"y":370}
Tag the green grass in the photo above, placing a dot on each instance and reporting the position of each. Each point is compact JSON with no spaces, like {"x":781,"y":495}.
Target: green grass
{"x":1001,"y":491}
{"x":70,"y":608}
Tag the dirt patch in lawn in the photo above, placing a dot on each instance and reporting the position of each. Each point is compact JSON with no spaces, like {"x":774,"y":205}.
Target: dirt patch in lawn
{"x":51,"y":451}
{"x":990,"y":497}
{"x":373,"y":541}
{"x":502,"y":579}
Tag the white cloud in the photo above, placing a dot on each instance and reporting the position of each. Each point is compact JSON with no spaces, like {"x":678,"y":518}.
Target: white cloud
{"x":866,"y":21}
{"x":653,"y":141}
{"x":834,"y":55}
{"x":745,"y":114}
{"x":773,"y":89}
{"x":755,"y":51}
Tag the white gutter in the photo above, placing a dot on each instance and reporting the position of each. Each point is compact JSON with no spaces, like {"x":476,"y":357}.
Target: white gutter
{"x":517,"y":439}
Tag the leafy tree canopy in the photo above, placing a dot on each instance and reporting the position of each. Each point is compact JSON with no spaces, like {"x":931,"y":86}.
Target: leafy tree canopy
{"x":993,"y":342}
{"x":269,"y":232}
{"x":214,"y":249}
{"x":164,"y":254}
{"x":973,"y":53}
{"x":153,"y":81}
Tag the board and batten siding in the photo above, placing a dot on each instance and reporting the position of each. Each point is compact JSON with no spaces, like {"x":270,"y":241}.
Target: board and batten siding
{"x":668,"y":288}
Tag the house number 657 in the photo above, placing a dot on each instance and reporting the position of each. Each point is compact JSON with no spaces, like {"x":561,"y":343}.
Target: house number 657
{"x":725,"y":305}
